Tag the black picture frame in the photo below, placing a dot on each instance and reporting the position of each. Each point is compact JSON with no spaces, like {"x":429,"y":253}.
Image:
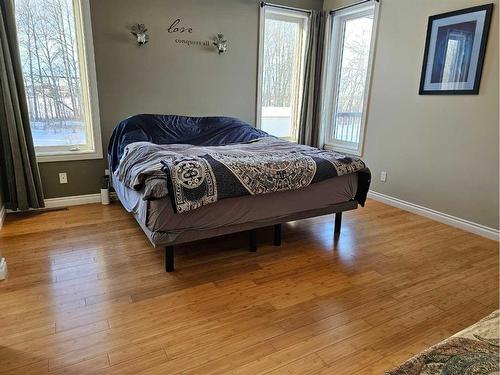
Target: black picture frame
{"x":423,"y":90}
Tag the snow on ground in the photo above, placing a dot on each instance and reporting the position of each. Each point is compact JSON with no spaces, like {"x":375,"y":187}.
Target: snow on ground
{"x":70,"y":133}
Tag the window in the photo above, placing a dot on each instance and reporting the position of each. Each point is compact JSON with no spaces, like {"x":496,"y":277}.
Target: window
{"x":283,"y":35}
{"x":55,"y":42}
{"x":349,"y":76}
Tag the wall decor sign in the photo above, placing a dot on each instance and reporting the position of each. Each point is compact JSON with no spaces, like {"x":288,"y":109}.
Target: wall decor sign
{"x":189,"y":43}
{"x":177,"y":27}
{"x":454,"y":51}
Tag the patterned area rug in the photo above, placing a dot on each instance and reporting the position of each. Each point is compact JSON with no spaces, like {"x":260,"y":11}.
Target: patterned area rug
{"x":474,"y":351}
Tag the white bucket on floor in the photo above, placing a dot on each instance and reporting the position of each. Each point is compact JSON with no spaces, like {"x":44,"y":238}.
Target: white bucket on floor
{"x":3,"y":269}
{"x":105,"y":196}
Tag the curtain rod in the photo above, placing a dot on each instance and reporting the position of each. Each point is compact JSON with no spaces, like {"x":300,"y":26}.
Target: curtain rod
{"x":263,"y":4}
{"x":352,"y":5}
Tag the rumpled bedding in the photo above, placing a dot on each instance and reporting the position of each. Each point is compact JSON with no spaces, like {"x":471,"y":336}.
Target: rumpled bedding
{"x":174,"y":129}
{"x":194,"y":176}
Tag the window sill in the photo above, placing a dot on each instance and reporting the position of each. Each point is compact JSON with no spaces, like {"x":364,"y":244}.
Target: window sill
{"x":343,"y":149}
{"x":68,"y":156}
{"x":288,"y":139}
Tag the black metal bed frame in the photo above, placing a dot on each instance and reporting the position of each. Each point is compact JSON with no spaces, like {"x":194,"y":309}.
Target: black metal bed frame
{"x":169,"y":249}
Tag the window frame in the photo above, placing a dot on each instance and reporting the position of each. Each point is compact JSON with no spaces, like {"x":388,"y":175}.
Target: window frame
{"x":284,"y":13}
{"x":90,"y":100}
{"x":334,"y":64}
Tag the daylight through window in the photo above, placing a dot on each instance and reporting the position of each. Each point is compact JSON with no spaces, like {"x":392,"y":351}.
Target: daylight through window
{"x":55,"y":60}
{"x":351,"y":50}
{"x":282,"y":70}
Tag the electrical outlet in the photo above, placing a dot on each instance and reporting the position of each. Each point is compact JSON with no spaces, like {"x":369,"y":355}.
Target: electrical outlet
{"x":106,"y":172}
{"x":63,"y":178}
{"x":383,"y":176}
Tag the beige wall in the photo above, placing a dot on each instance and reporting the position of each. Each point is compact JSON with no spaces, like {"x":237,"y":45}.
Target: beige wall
{"x":165,"y":77}
{"x":440,"y":152}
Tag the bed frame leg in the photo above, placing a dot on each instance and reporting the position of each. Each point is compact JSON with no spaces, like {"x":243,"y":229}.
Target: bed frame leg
{"x":338,"y":223}
{"x":169,"y":258}
{"x":277,"y":235}
{"x":253,"y":240}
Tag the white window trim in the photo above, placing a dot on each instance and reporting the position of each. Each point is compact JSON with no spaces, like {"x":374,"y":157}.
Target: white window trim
{"x":83,"y":16}
{"x":333,"y":62}
{"x":260,"y":64}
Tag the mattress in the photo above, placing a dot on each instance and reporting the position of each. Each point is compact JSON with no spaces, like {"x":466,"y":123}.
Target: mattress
{"x":159,"y":218}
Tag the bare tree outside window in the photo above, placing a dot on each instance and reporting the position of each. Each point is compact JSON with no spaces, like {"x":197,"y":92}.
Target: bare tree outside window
{"x":282,"y":72}
{"x":352,"y":78}
{"x":51,"y":69}
{"x":280,"y":56}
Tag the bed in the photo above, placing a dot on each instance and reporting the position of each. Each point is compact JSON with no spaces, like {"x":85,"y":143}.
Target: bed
{"x":190,"y":178}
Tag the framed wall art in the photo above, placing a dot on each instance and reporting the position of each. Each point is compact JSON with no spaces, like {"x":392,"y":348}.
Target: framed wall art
{"x":454,"y":51}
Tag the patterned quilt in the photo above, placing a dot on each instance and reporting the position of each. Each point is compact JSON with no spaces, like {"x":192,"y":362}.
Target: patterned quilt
{"x":474,"y":351}
{"x":194,"y":176}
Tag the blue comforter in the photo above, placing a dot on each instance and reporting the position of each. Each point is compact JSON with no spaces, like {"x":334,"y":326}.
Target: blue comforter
{"x":173,"y":129}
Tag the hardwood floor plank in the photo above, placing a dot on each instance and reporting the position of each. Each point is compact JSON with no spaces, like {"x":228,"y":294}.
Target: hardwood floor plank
{"x":88,"y":366}
{"x":310,"y":364}
{"x":295,"y":345}
{"x":135,"y":365}
{"x":36,"y":368}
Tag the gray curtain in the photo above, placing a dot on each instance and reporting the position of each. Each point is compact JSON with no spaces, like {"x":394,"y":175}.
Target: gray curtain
{"x":21,"y":182}
{"x":310,"y":132}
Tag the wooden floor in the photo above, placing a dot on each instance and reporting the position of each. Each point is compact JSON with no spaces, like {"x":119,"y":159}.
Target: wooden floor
{"x":87,"y":293}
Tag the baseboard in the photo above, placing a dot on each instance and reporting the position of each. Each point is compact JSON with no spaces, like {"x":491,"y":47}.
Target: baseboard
{"x":2,"y":216}
{"x":469,"y":226}
{"x":73,"y":200}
